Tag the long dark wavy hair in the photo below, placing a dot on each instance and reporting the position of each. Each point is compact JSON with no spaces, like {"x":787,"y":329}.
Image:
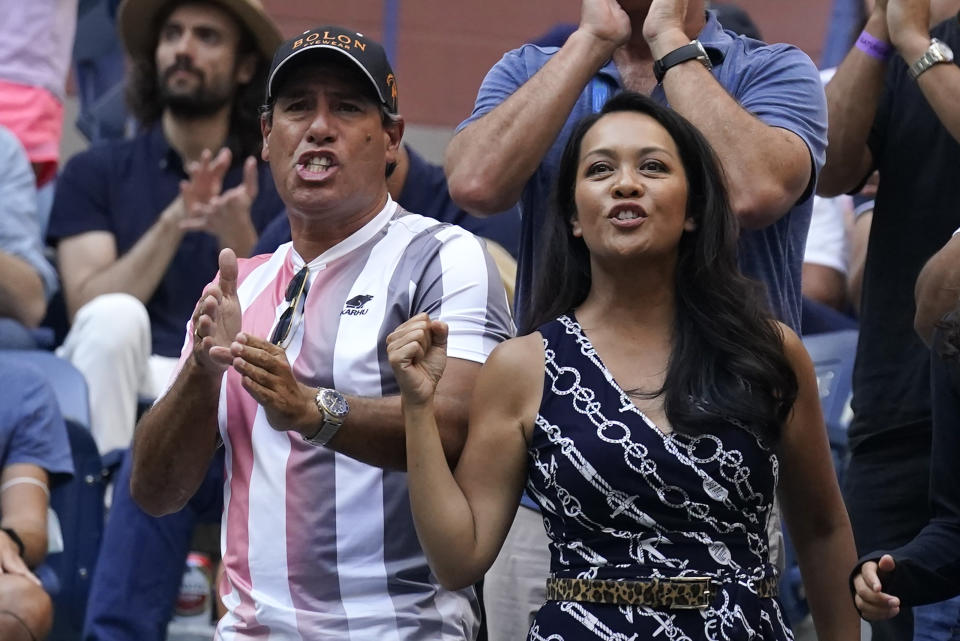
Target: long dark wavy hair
{"x":727,"y":360}
{"x":146,"y":105}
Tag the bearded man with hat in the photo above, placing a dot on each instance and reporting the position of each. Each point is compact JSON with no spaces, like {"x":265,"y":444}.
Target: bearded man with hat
{"x":138,"y":223}
{"x":284,"y":368}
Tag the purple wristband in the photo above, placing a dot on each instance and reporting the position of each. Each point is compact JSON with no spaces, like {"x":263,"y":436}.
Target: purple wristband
{"x":874,"y":47}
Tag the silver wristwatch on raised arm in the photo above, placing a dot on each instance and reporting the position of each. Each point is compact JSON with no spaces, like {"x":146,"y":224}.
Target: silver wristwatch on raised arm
{"x":333,"y":409}
{"x":936,"y":53}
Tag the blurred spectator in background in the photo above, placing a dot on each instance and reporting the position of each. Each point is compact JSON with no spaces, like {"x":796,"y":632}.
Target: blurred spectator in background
{"x":138,"y":224}
{"x":826,"y":264}
{"x":827,"y":254}
{"x":34,"y":451}
{"x":27,"y":279}
{"x":762,"y":109}
{"x":900,"y":115}
{"x":36,"y":41}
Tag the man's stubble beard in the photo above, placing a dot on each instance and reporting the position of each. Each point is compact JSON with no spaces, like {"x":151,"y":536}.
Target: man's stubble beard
{"x":202,"y":102}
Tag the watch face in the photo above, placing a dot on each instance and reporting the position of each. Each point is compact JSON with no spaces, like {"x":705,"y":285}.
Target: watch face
{"x":943,"y":52}
{"x":335,"y":403}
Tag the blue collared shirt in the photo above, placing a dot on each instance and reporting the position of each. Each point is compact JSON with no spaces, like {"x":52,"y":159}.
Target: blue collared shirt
{"x":777,"y":83}
{"x":122,"y":187}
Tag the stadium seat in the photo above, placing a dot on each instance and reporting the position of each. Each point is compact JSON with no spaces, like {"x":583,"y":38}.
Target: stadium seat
{"x":67,"y":382}
{"x":833,"y":355}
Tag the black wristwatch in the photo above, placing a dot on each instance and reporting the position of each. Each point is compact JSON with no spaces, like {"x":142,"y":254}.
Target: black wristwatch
{"x":15,"y":538}
{"x":692,"y":51}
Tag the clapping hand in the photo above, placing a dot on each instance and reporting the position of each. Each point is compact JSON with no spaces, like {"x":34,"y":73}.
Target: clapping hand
{"x":205,"y":180}
{"x":216,"y":318}
{"x":606,"y":21}
{"x":268,"y":377}
{"x":873,"y":604}
{"x":665,"y":21}
{"x":417,"y":350}
{"x":908,"y":22}
{"x":225,"y":214}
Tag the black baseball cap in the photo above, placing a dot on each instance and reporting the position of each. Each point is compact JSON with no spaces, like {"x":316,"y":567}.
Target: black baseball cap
{"x":367,"y":54}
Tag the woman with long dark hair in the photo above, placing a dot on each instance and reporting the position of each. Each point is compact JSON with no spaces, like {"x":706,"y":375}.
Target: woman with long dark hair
{"x":653,"y":412}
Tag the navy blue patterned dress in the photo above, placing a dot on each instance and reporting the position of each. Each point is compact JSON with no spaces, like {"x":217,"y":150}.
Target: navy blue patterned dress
{"x":623,"y":500}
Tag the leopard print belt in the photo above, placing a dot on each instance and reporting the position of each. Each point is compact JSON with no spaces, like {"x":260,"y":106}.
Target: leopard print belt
{"x":680,"y":593}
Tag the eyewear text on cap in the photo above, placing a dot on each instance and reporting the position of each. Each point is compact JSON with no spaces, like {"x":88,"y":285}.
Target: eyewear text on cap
{"x":342,"y":40}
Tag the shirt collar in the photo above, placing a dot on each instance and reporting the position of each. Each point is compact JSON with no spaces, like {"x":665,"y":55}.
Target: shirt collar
{"x":350,"y":243}
{"x":714,"y":39}
{"x":168,"y":159}
{"x":165,"y":156}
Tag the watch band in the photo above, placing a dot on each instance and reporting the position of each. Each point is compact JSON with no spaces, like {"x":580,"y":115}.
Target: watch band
{"x":936,"y":53}
{"x":692,"y":51}
{"x":16,"y":539}
{"x":326,"y":432}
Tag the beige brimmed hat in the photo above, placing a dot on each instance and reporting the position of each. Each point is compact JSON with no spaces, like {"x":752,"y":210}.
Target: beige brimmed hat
{"x":137,"y":20}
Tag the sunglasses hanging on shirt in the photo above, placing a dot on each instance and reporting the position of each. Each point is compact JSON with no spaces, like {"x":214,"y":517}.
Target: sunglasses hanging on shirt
{"x":296,"y":290}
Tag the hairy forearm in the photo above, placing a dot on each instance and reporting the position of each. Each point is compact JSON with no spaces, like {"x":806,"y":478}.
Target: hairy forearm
{"x":22,"y":297}
{"x":852,"y":97}
{"x":763,"y":180}
{"x":374,"y":430}
{"x":139,"y":271}
{"x":444,"y":520}
{"x":175,"y":442}
{"x":940,"y":86}
{"x":490,"y":161}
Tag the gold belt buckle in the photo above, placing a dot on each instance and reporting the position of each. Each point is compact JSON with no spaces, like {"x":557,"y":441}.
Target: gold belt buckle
{"x":705,"y":597}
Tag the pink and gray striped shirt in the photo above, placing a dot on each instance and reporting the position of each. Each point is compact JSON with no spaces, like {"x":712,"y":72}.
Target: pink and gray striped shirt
{"x":317,"y":545}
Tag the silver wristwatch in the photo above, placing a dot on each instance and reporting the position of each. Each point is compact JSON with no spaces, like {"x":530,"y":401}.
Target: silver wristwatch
{"x":936,"y":53}
{"x":334,"y":409}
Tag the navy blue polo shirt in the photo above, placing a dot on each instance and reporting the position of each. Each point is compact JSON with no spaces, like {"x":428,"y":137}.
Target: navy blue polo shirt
{"x":122,"y":187}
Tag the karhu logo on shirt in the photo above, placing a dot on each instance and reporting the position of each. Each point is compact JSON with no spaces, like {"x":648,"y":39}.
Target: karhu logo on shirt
{"x":356,"y":306}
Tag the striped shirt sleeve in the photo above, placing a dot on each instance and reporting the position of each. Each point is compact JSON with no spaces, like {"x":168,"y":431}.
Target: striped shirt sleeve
{"x":461,"y":286}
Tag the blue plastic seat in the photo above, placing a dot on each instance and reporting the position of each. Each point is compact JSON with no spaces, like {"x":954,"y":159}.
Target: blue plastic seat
{"x":833,"y":355}
{"x":67,"y":382}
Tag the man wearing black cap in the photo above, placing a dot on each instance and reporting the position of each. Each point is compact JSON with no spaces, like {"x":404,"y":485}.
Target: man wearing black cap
{"x":284,"y":364}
